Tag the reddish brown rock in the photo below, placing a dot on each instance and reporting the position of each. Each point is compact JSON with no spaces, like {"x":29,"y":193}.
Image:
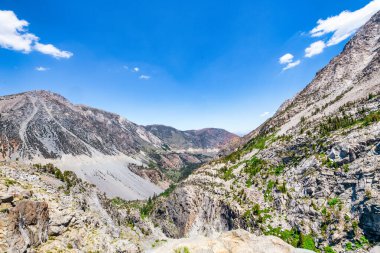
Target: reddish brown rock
{"x":27,"y":225}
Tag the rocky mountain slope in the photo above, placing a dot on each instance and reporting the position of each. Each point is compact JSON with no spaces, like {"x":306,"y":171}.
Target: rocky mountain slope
{"x":43,"y":209}
{"x":122,"y":158}
{"x":309,"y":175}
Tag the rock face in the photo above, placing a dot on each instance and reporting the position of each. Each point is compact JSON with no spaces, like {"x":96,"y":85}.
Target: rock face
{"x":54,"y":214}
{"x":235,"y":241}
{"x":41,"y":127}
{"x":370,"y":219}
{"x":310,"y":173}
{"x":27,"y":225}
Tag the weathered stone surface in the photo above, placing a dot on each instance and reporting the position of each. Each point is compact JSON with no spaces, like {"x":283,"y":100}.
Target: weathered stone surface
{"x":375,"y":249}
{"x":236,"y":241}
{"x":27,"y":225}
{"x":370,"y":220}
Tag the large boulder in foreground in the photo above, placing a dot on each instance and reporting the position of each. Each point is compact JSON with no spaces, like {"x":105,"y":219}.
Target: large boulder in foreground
{"x":27,"y":225}
{"x":235,"y":241}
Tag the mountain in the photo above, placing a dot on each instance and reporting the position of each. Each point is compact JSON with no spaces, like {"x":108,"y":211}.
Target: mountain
{"x":310,"y":174}
{"x":306,"y":178}
{"x":45,"y":210}
{"x":120,"y":157}
{"x":208,"y":139}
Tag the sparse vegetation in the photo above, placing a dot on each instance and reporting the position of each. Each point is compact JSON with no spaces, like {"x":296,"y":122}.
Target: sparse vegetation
{"x":182,"y":250}
{"x":157,"y":243}
{"x":254,"y":166}
{"x":258,"y":142}
{"x":9,"y":182}
{"x":328,"y":249}
{"x":293,"y":237}
{"x":339,"y":122}
{"x":268,"y":191}
{"x":307,"y":242}
{"x":169,"y":190}
{"x":333,"y":201}
{"x":68,"y":177}
{"x":290,"y":236}
{"x":226,"y":173}
{"x":147,"y":209}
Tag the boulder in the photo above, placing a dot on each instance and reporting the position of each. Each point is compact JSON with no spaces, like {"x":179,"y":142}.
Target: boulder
{"x":27,"y":225}
{"x":370,"y":220}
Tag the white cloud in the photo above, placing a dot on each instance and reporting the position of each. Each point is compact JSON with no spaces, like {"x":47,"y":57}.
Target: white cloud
{"x":264,"y":114}
{"x":15,"y":36}
{"x":40,"y":68}
{"x":315,"y":48}
{"x":345,"y":24}
{"x":52,"y":50}
{"x":286,"y":58}
{"x":135,"y":69}
{"x":144,"y":77}
{"x":292,"y":64}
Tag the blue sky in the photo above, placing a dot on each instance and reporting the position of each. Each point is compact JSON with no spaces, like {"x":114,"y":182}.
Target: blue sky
{"x":187,"y":64}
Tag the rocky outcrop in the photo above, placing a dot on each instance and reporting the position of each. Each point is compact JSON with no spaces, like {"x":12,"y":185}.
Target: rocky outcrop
{"x":370,"y":219}
{"x":235,"y":241}
{"x":27,"y":225}
{"x":42,"y":211}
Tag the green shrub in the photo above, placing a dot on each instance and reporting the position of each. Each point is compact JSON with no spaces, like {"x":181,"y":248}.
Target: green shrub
{"x":8,"y":182}
{"x":372,"y":117}
{"x":335,"y":123}
{"x":169,"y":190}
{"x":226,"y":173}
{"x":333,"y":201}
{"x":290,"y":236}
{"x":282,"y":188}
{"x":307,"y":242}
{"x":279,"y":169}
{"x":268,"y":191}
{"x":349,"y":246}
{"x":254,"y":166}
{"x":147,"y":209}
{"x":328,"y":249}
{"x":182,"y":250}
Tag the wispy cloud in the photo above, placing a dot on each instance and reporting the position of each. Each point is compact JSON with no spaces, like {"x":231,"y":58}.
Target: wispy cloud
{"x":15,"y":36}
{"x":264,"y":114}
{"x":340,"y":26}
{"x":40,"y":68}
{"x":144,"y":77}
{"x":315,"y":48}
{"x":292,"y":65}
{"x":136,"y":70}
{"x":49,"y":49}
{"x":288,"y":60}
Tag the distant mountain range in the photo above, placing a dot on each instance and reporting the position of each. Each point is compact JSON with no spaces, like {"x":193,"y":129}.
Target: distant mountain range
{"x":102,"y":147}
